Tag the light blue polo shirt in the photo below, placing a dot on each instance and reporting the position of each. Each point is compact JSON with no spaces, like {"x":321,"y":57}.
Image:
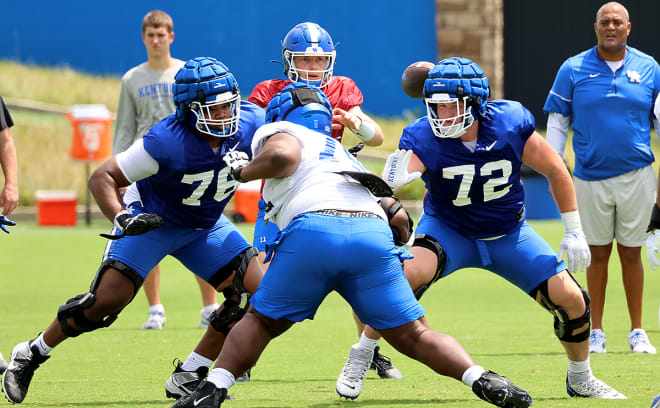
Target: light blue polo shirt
{"x":611,"y":112}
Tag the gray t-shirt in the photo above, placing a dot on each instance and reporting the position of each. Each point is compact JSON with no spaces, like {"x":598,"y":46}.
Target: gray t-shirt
{"x":145,"y":98}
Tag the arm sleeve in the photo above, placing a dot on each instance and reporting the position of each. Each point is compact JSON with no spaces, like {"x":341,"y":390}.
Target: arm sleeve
{"x":557,"y":132}
{"x":136,"y":163}
{"x":126,"y":124}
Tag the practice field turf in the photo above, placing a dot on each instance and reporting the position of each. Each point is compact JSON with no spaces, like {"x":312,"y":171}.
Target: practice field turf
{"x":123,"y":366}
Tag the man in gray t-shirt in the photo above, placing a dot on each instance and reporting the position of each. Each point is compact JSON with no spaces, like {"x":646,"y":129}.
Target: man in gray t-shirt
{"x":144,"y":100}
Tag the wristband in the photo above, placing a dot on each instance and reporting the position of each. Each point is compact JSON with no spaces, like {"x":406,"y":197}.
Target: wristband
{"x":571,"y":221}
{"x":655,"y":219}
{"x":367,"y":130}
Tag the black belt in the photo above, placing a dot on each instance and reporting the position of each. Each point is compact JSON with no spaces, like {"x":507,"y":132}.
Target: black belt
{"x":342,"y":213}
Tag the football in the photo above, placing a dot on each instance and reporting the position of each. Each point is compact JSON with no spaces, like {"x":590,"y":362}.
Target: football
{"x":412,"y":80}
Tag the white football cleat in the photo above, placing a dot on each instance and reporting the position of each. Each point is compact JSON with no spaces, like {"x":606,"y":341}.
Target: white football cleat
{"x":593,"y":388}
{"x":156,"y":321}
{"x":351,"y":378}
{"x":597,"y":341}
{"x":205,"y":316}
{"x":639,"y":342}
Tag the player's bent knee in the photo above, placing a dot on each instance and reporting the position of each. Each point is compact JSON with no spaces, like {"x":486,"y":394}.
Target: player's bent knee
{"x":566,"y":329}
{"x":73,"y":309}
{"x":237,"y":297}
{"x":430,"y":243}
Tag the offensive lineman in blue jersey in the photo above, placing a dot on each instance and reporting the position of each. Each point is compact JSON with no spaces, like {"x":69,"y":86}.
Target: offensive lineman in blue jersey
{"x":334,"y":237}
{"x":179,"y":186}
{"x":608,"y":94}
{"x":468,"y":152}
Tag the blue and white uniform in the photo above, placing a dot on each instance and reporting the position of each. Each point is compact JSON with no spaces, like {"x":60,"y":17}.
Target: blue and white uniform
{"x":317,"y":253}
{"x":611,"y":112}
{"x":475,"y":202}
{"x":181,"y":178}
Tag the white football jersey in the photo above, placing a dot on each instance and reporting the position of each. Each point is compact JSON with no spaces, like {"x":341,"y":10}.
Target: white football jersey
{"x":314,"y":185}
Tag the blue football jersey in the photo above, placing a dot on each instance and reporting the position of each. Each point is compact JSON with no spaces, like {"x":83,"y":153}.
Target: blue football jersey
{"x":479,"y":193}
{"x":192,"y":186}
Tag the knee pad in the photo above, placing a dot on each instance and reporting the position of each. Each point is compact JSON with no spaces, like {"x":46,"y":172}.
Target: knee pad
{"x":399,"y":219}
{"x":430,"y":243}
{"x":564,"y":326}
{"x":74,"y":307}
{"x":239,"y":265}
{"x":230,"y":313}
{"x":232,"y":310}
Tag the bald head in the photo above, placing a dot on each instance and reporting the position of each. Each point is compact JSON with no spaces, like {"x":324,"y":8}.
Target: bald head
{"x":615,"y":7}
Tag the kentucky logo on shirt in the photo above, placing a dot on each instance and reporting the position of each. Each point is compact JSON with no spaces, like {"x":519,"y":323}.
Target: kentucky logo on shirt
{"x":633,"y":76}
{"x":156,"y":91}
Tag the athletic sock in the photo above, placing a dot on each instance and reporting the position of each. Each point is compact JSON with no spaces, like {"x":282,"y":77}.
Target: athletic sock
{"x":367,"y":344}
{"x":578,"y":371}
{"x":207,"y":310}
{"x":44,"y":349}
{"x":472,"y":374}
{"x":221,"y":378}
{"x":157,"y":309}
{"x":194,"y":361}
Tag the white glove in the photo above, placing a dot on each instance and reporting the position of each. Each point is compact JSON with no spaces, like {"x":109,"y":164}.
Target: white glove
{"x":578,"y":256}
{"x":236,"y":160}
{"x":395,"y":172}
{"x":652,"y":248}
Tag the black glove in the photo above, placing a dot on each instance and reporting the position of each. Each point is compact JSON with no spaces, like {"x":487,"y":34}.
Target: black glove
{"x":138,"y":225}
{"x":4,"y":222}
{"x":355,"y":149}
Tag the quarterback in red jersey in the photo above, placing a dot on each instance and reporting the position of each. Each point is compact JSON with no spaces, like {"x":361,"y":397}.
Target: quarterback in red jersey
{"x":308,"y":56}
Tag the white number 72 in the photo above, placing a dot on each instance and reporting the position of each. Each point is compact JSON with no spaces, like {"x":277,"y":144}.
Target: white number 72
{"x":467,"y":171}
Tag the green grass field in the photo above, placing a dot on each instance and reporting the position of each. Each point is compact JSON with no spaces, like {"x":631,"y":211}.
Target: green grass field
{"x":123,"y":366}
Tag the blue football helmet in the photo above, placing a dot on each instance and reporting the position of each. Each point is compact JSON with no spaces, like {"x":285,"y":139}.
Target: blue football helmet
{"x":456,"y":81}
{"x":301,"y":104}
{"x":200,"y":85}
{"x":308,"y":39}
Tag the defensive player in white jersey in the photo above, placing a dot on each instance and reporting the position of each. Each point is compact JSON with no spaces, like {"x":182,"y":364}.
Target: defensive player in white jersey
{"x":179,"y":186}
{"x":334,"y":237}
{"x":469,"y":152}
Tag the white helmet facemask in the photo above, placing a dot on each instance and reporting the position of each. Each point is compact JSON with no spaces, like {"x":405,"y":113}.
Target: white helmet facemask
{"x":450,"y":127}
{"x":296,"y":74}
{"x":204,"y":121}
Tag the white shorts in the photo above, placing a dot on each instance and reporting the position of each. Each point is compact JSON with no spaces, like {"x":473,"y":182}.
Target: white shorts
{"x":617,"y":207}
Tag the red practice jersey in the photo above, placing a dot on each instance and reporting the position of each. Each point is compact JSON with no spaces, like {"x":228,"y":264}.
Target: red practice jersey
{"x":341,"y":92}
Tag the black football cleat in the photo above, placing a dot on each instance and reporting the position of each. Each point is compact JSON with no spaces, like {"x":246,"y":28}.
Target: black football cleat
{"x":383,"y":366}
{"x":16,"y":379}
{"x":181,"y":382}
{"x":206,"y":395}
{"x":500,"y":391}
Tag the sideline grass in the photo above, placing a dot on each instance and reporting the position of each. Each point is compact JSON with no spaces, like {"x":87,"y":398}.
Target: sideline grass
{"x":123,"y":366}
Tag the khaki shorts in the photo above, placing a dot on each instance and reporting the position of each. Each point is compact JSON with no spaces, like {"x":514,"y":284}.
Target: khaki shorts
{"x":617,"y":207}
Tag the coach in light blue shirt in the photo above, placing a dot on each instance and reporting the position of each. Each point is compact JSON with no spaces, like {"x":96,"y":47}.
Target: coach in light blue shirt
{"x":608,"y":95}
